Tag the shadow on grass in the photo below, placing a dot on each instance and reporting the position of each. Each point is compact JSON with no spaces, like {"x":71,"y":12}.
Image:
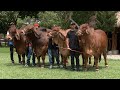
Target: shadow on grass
{"x":68,"y":68}
{"x":90,"y":69}
{"x":10,"y":64}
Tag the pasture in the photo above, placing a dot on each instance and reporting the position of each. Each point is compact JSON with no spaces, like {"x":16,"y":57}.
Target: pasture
{"x":17,"y":71}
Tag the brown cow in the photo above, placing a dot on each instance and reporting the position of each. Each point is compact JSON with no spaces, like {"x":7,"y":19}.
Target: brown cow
{"x":94,"y":43}
{"x":19,"y":40}
{"x":59,"y":37}
{"x":39,"y":41}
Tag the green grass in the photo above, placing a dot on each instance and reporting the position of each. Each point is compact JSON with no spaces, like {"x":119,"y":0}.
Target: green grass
{"x":17,"y":71}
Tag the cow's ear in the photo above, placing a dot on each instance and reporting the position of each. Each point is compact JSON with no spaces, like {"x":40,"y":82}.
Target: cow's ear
{"x":61,"y":36}
{"x":17,"y":35}
{"x":87,"y":31}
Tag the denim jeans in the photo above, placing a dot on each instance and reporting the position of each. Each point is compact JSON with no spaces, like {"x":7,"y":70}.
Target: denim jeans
{"x":53,"y":53}
{"x":30,"y":52}
{"x":11,"y":52}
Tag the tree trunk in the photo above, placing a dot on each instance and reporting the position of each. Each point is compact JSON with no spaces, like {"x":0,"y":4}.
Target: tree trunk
{"x":114,"y":41}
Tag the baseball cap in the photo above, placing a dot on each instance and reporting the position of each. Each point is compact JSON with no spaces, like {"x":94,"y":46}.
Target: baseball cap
{"x":72,"y":23}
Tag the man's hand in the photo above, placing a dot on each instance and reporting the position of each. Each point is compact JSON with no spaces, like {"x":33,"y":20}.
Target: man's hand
{"x":68,"y":48}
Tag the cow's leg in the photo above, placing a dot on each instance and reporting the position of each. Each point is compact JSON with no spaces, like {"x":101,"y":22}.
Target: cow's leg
{"x":105,"y":58}
{"x":23,"y":59}
{"x":64,"y":62}
{"x":19,"y":57}
{"x":43,"y":59}
{"x":96,"y":62}
{"x":89,"y":60}
{"x":61,"y":60}
{"x":83,"y":63}
{"x":86,"y":62}
{"x":100,"y":58}
{"x":38,"y":58}
{"x":33,"y":59}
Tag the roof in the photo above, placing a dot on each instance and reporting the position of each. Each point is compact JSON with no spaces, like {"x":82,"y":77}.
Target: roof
{"x":118,"y":19}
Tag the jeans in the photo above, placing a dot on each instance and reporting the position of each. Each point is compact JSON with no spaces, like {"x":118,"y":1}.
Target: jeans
{"x":11,"y":52}
{"x":76,"y":56}
{"x":53,"y":53}
{"x":29,"y":53}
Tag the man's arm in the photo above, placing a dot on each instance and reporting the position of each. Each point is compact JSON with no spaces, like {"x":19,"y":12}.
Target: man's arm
{"x":67,"y":42}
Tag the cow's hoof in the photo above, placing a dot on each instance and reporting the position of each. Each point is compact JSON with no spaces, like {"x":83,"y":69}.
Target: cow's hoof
{"x":43,"y":66}
{"x":39,"y":65}
{"x":106,"y":65}
{"x":85,"y":69}
{"x":97,"y":69}
{"x":90,"y":64}
{"x":64,"y":67}
{"x":61,"y":66}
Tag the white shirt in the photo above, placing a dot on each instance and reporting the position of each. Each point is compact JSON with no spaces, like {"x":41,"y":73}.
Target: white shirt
{"x":8,"y":33}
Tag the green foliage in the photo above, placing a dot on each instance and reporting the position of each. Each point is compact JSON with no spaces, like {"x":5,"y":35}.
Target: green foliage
{"x":23,"y":14}
{"x":82,"y":16}
{"x":49,"y":18}
{"x":6,"y":17}
{"x":106,"y":20}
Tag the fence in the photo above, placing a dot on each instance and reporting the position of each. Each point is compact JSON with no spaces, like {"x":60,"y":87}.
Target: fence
{"x":3,"y":42}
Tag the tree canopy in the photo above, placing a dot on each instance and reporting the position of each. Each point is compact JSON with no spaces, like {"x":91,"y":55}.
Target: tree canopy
{"x":106,"y":19}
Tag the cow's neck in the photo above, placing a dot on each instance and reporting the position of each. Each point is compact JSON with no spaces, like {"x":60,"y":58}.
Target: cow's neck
{"x":88,"y":42}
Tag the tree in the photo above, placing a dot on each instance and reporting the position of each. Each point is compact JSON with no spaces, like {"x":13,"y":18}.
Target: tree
{"x":24,"y":14}
{"x":6,"y":18}
{"x":49,"y":18}
{"x":107,"y":20}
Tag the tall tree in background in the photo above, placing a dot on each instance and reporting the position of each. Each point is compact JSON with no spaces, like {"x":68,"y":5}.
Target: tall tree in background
{"x":6,"y":17}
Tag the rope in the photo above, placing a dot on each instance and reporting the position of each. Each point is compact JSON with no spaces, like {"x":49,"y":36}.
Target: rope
{"x":70,"y":49}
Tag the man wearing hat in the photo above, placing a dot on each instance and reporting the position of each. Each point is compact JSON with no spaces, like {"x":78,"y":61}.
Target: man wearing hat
{"x":36,"y":25}
{"x":73,"y":44}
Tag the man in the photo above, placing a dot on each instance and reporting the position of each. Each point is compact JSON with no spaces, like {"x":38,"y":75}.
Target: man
{"x":30,"y":52}
{"x":73,"y":44}
{"x":10,"y":43}
{"x":36,"y":25}
{"x":53,"y":51}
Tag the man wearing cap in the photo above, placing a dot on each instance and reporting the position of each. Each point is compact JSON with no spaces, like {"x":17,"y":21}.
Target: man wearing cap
{"x":73,"y":44}
{"x":36,"y":25}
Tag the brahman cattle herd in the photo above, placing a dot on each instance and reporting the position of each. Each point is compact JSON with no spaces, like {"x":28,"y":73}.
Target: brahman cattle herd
{"x":92,"y":43}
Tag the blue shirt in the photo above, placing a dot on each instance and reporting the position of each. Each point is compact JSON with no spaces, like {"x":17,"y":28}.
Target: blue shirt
{"x":10,"y":43}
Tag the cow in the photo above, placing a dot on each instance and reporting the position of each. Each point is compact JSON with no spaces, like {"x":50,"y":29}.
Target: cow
{"x":39,"y":41}
{"x":59,"y":37}
{"x":19,"y":40}
{"x":94,"y":43}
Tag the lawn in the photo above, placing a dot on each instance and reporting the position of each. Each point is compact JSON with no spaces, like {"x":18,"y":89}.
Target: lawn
{"x":17,"y":71}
